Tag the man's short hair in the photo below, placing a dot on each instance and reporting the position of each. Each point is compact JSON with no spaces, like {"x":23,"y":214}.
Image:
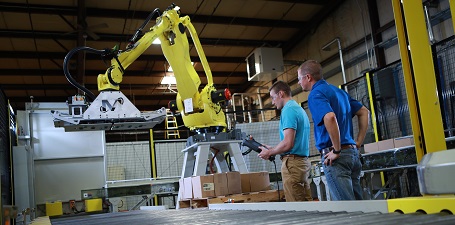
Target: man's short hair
{"x":313,"y":68}
{"x":281,"y":86}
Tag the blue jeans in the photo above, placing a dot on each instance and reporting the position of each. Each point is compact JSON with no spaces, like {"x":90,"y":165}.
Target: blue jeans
{"x":343,"y":176}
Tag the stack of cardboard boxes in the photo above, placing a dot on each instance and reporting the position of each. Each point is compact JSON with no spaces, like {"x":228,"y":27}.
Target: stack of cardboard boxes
{"x":389,"y":144}
{"x":389,"y":154}
{"x":222,"y":184}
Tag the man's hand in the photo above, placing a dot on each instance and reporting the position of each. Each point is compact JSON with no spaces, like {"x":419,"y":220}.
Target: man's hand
{"x":330,"y":157}
{"x":358,"y":144}
{"x":266,"y":152}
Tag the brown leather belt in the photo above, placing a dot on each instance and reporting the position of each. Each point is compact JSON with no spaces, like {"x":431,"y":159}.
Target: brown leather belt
{"x":327,"y":150}
{"x":292,"y":156}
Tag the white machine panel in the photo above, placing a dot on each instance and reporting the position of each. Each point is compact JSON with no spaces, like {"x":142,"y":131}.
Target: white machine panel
{"x":50,"y":142}
{"x":62,"y":163}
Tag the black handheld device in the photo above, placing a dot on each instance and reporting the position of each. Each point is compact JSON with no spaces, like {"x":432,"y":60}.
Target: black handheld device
{"x":254,"y":145}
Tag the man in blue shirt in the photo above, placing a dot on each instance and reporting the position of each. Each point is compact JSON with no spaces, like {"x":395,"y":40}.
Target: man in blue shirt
{"x":332,"y":110}
{"x":294,"y":145}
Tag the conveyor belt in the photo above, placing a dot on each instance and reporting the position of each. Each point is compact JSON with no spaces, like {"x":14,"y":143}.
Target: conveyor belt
{"x":250,"y":217}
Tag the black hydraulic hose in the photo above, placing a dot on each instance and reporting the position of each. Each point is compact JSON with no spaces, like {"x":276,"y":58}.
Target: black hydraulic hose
{"x":139,"y":30}
{"x":68,"y":74}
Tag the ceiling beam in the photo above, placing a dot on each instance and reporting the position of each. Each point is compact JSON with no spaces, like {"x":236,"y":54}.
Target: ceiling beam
{"x":8,"y":33}
{"x":93,"y":87}
{"x":92,"y":73}
{"x":142,"y":15}
{"x":162,"y":96}
{"x":312,"y":2}
{"x":61,"y":56}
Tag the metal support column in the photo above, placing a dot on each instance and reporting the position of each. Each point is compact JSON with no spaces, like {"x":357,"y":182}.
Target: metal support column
{"x":153,"y":161}
{"x":196,"y":156}
{"x":452,"y":12}
{"x":420,"y":79}
{"x":322,"y":187}
{"x":195,"y":159}
{"x":372,"y":109}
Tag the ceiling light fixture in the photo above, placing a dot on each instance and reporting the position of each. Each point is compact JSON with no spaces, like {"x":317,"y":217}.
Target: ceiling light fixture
{"x":171,"y":70}
{"x":156,"y":41}
{"x":169,"y":80}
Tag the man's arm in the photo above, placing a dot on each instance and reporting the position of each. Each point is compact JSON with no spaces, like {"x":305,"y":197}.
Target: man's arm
{"x":285,"y":145}
{"x":362,"y":115}
{"x":331,"y":124}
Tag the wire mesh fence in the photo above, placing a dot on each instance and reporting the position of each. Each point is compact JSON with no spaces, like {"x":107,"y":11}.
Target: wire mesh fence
{"x":445,"y":64}
{"x":169,"y":158}
{"x":390,"y":98}
{"x":128,"y":160}
{"x":392,"y":110}
{"x":358,"y":90}
{"x":390,"y":106}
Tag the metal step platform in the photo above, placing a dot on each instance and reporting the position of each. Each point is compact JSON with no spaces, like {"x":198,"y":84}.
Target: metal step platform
{"x":206,"y":216}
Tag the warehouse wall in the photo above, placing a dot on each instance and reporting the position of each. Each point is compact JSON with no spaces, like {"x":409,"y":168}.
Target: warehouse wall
{"x":351,"y":24}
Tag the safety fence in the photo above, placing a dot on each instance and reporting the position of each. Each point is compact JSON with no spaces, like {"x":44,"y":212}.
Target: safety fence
{"x":385,"y":90}
{"x":444,"y":53}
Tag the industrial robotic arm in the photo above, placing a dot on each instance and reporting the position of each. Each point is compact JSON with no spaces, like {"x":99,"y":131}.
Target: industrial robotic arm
{"x":200,"y":110}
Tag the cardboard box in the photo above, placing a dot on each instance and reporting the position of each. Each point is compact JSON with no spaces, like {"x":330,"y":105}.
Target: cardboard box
{"x":187,"y":188}
{"x":185,"y":203}
{"x":403,"y":142}
{"x":181,"y":188}
{"x":386,"y":144}
{"x":234,"y":182}
{"x":371,"y":147}
{"x":245,"y":182}
{"x":221,"y":184}
{"x":259,"y":181}
{"x":253,"y":182}
{"x":203,"y":186}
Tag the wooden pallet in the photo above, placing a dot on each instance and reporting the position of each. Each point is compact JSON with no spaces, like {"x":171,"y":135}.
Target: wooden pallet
{"x":262,"y":196}
{"x":193,"y":203}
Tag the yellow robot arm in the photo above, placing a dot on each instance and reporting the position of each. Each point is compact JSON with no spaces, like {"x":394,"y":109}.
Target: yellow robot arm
{"x":199,"y":109}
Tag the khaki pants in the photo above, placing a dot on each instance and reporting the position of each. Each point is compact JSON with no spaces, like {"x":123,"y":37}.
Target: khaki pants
{"x":296,"y":184}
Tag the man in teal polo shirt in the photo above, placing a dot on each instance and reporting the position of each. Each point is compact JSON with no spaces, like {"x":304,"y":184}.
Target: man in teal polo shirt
{"x":294,"y":146}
